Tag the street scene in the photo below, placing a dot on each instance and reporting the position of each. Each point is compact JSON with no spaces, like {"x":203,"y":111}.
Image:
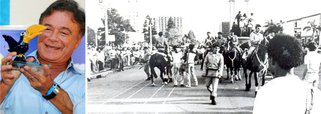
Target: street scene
{"x":224,"y":57}
{"x":128,"y":91}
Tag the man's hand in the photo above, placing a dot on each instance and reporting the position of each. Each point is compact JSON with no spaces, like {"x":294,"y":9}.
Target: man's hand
{"x":9,"y":75}
{"x":39,"y":77}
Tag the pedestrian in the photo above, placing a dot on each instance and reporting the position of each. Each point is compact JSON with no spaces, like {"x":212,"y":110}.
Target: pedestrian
{"x":312,"y":63}
{"x":177,"y":56}
{"x":238,"y":18}
{"x":214,"y":64}
{"x":286,"y":93}
{"x":146,"y":58}
{"x":191,"y":54}
{"x":59,"y":88}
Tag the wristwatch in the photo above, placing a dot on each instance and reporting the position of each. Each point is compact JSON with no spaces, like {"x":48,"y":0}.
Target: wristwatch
{"x":52,"y":92}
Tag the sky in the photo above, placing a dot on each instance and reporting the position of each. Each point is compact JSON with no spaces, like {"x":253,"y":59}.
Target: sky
{"x":201,"y":16}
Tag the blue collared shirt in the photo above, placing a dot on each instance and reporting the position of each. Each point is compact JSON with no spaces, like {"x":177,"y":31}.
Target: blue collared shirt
{"x":23,"y":99}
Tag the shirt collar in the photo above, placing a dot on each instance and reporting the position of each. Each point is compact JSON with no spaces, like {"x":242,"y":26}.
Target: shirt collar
{"x":71,"y":67}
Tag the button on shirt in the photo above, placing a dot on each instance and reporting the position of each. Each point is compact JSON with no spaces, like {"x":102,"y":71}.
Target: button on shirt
{"x":23,"y":99}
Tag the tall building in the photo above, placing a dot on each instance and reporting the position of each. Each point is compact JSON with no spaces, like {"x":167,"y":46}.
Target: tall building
{"x":162,"y":21}
{"x":129,"y":9}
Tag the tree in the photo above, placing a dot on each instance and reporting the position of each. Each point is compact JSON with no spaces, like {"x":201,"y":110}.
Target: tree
{"x":272,"y":27}
{"x":91,"y":37}
{"x":118,"y":26}
{"x":170,"y":24}
{"x":312,"y":26}
{"x":172,"y":33}
{"x":191,"y":36}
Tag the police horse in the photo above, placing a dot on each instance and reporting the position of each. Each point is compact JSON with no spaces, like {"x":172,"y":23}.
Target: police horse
{"x":233,"y":62}
{"x":257,"y":63}
{"x":162,"y":63}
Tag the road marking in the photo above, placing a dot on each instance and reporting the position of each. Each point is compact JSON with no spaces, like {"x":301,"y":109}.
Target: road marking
{"x":168,"y":95}
{"x":154,"y":94}
{"x":137,"y":91}
{"x":108,"y":100}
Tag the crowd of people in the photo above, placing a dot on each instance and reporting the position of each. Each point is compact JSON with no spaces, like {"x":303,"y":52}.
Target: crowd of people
{"x":285,"y":53}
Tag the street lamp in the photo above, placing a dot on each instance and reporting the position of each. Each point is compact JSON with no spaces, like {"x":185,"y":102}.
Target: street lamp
{"x":150,"y":34}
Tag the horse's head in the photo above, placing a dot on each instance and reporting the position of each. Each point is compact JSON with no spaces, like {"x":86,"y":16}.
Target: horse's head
{"x":260,"y":55}
{"x":262,"y":48}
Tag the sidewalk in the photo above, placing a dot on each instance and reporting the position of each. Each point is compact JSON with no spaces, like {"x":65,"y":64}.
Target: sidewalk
{"x":104,"y":73}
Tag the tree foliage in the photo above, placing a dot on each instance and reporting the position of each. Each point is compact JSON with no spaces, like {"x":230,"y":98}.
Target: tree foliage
{"x":312,"y":26}
{"x":172,"y":33}
{"x":91,"y":37}
{"x":118,"y":26}
{"x":272,"y":27}
{"x":170,"y":24}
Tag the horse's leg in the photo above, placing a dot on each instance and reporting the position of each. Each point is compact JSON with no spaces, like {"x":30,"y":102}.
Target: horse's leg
{"x":153,"y":74}
{"x":263,"y":78}
{"x":227,"y":73}
{"x":246,"y":79}
{"x":235,"y":74}
{"x":162,"y":72}
{"x":170,"y":74}
{"x":250,"y":80}
{"x":232,"y":75}
{"x":238,"y":73}
{"x":256,"y":82}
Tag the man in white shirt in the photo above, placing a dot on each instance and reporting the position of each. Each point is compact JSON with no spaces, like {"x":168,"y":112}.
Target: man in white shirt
{"x":312,"y":63}
{"x":255,"y":38}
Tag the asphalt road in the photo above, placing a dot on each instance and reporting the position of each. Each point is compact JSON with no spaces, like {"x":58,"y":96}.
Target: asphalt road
{"x":128,"y":92}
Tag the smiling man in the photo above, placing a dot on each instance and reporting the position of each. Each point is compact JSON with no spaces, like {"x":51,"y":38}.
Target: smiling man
{"x":60,"y":88}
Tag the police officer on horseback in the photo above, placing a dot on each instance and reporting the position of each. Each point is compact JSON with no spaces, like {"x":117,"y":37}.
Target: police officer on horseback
{"x":220,"y":41}
{"x":162,"y":43}
{"x":255,"y":38}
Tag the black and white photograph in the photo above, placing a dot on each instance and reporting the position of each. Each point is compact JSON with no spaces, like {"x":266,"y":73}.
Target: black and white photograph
{"x":203,"y":56}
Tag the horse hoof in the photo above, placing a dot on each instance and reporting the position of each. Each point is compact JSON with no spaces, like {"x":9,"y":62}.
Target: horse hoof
{"x":164,"y":83}
{"x":153,"y":84}
{"x":247,"y":88}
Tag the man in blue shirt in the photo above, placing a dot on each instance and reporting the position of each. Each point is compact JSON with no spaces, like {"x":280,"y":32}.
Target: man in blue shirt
{"x":59,"y":88}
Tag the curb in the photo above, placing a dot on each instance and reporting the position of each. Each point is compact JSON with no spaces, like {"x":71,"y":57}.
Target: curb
{"x":105,"y":73}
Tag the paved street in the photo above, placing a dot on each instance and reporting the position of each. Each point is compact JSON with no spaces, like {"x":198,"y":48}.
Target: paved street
{"x":129,"y":92}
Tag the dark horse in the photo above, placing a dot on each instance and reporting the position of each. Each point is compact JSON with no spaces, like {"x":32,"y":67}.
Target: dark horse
{"x":257,"y":62}
{"x":233,"y":62}
{"x":158,"y":60}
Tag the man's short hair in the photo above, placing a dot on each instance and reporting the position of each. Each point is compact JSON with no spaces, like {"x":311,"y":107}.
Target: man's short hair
{"x":257,"y":25}
{"x":312,"y":46}
{"x":219,"y":32}
{"x":160,"y":34}
{"x":286,"y":51}
{"x":70,"y":6}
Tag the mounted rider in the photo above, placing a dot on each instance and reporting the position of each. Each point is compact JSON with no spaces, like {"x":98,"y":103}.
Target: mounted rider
{"x":232,"y":42}
{"x":220,"y":41}
{"x":162,"y":45}
{"x":255,"y":38}
{"x":209,"y":39}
